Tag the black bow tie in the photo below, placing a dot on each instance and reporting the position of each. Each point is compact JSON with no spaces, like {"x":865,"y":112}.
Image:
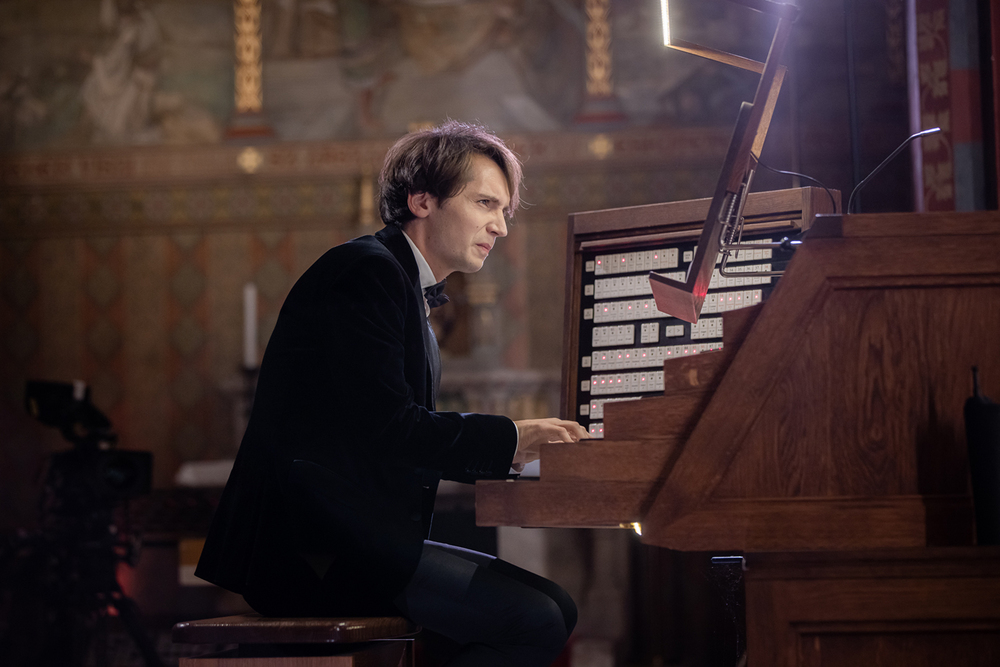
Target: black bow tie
{"x":435,"y":294}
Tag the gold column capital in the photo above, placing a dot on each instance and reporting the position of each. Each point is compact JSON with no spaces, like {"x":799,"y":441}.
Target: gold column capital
{"x":598,"y":48}
{"x":249,"y":93}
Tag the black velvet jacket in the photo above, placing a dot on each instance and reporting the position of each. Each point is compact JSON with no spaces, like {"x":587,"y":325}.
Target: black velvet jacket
{"x":330,"y":498}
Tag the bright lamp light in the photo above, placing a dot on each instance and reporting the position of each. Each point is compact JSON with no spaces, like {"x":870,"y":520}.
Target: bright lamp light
{"x":665,"y":14}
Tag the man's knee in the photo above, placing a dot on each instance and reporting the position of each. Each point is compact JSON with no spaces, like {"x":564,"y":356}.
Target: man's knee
{"x":566,"y":606}
{"x":546,"y":626}
{"x":555,"y":592}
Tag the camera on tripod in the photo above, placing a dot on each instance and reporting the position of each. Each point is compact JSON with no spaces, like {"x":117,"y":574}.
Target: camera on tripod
{"x":58,"y":584}
{"x":94,"y":468}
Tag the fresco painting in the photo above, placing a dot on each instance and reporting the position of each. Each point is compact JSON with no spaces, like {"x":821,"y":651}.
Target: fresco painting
{"x":83,"y":73}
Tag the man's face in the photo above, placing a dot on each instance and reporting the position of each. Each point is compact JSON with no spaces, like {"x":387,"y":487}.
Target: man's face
{"x":458,"y":233}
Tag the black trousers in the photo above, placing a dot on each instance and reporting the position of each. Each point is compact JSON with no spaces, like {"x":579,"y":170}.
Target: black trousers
{"x":497,"y":613}
{"x":500,"y":614}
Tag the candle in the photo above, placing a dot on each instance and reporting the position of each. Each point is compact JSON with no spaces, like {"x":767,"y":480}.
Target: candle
{"x":250,"y":326}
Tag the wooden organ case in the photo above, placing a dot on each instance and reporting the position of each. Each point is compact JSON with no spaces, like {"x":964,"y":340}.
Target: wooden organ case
{"x":817,"y":430}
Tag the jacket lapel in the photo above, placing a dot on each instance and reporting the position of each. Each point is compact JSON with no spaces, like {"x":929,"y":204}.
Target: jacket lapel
{"x":394,"y":241}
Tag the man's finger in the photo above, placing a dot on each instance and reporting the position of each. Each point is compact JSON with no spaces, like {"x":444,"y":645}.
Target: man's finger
{"x":566,"y":436}
{"x":577,"y":432}
{"x":571,"y":437}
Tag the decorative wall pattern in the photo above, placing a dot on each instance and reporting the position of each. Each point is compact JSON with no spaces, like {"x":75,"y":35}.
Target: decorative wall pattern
{"x":935,"y":105}
{"x":950,"y":98}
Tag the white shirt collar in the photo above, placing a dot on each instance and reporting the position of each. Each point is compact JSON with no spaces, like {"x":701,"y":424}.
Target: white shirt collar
{"x":426,"y":275}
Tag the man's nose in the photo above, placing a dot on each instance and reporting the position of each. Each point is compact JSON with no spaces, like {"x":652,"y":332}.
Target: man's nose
{"x":498,"y":226}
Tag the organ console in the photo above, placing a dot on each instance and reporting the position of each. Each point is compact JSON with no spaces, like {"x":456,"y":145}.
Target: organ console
{"x":812,"y":423}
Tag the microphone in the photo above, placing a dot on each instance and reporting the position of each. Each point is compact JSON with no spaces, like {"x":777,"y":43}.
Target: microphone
{"x":886,"y":161}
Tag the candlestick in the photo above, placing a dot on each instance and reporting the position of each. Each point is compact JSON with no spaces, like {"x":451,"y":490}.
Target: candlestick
{"x":250,"y":326}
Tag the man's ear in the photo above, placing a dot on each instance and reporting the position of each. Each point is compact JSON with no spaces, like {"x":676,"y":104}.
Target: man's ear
{"x":420,"y":203}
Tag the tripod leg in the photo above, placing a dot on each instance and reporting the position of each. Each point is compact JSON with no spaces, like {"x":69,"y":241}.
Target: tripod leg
{"x":130,"y":617}
{"x":99,"y":643}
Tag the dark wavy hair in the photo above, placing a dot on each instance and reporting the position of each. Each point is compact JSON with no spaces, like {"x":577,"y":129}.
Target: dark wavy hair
{"x":437,"y":161}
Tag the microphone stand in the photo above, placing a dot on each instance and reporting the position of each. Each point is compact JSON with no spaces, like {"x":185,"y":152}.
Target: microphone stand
{"x":886,"y":161}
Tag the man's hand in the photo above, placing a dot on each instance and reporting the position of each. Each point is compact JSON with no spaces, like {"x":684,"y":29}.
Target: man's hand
{"x":533,"y":433}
